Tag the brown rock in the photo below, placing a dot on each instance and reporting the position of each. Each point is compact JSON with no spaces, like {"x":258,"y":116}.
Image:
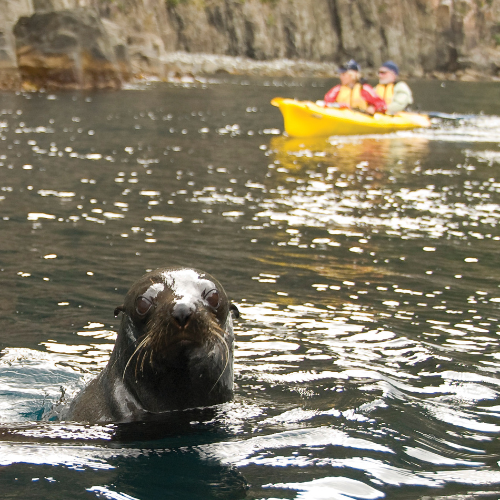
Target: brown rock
{"x":68,"y":49}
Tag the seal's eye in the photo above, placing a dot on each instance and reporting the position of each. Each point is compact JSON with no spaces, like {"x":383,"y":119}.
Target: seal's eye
{"x":212,"y":297}
{"x":142,"y":305}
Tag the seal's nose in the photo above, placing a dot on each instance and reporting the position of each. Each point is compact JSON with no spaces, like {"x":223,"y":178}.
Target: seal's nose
{"x":182,"y":313}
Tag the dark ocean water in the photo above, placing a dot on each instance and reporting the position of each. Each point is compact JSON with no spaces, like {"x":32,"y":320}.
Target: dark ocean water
{"x":365,"y":270}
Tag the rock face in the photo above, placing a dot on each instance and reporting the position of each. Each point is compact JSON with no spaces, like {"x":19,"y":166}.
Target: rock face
{"x":69,"y":49}
{"x":422,"y":36}
{"x":99,"y":43}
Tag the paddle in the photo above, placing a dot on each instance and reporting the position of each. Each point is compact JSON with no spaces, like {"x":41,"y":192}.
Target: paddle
{"x":446,"y":116}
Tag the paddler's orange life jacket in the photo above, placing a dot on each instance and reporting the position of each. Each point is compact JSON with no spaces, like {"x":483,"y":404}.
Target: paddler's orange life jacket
{"x":385,"y":91}
{"x":351,"y":97}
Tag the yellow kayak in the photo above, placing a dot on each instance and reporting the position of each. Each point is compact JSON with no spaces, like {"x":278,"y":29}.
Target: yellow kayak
{"x":307,"y":119}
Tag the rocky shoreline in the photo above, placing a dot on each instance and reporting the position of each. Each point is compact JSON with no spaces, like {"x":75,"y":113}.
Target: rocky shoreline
{"x":98,"y":44}
{"x":180,"y":64}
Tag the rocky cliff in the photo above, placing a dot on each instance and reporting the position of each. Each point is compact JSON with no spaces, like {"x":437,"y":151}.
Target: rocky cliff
{"x":157,"y":37}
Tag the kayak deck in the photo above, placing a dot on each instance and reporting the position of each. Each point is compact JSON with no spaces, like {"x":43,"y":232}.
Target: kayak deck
{"x":307,"y":119}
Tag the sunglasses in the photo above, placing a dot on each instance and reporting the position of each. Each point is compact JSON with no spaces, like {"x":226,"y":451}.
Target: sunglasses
{"x":382,"y":72}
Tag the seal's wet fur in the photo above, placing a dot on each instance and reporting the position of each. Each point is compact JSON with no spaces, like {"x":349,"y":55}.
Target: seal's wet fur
{"x":174,"y":350}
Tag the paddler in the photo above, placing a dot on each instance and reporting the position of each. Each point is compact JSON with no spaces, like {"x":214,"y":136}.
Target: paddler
{"x":354,"y":93}
{"x":395,"y":93}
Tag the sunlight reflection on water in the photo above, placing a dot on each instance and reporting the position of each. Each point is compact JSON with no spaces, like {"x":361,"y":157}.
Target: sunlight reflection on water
{"x":364,"y":269}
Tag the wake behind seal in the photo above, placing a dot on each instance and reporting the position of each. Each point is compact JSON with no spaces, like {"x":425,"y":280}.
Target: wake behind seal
{"x":174,"y":350}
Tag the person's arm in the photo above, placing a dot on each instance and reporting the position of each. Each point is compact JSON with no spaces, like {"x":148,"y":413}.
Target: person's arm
{"x":401,"y":99}
{"x":331,"y":95}
{"x":369,"y":95}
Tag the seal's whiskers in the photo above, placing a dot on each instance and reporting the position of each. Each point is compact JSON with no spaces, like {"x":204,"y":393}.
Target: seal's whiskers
{"x":137,"y":351}
{"x":223,"y":340}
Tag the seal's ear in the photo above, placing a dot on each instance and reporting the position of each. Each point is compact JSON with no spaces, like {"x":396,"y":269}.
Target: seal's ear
{"x":234,"y":310}
{"x":118,"y":310}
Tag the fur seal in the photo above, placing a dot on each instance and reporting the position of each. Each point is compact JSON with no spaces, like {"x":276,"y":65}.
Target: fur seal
{"x":174,"y":350}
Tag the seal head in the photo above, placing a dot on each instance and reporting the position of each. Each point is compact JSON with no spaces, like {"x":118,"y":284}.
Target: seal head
{"x":174,"y":350}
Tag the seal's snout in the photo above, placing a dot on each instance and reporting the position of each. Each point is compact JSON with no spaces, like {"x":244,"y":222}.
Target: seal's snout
{"x":182,"y":313}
